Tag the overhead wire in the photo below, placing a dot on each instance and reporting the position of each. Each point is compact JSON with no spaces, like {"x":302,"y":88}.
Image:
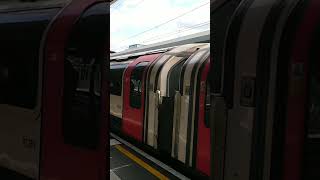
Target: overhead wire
{"x":178,"y":31}
{"x":161,"y":24}
{"x":170,"y":33}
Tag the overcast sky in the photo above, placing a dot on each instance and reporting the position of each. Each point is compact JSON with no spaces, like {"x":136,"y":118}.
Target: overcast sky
{"x":131,"y":18}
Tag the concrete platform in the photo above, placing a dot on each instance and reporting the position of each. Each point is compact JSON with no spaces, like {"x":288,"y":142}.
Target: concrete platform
{"x":129,"y":163}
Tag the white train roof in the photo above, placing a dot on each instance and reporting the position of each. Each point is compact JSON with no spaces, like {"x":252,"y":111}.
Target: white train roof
{"x":202,"y":37}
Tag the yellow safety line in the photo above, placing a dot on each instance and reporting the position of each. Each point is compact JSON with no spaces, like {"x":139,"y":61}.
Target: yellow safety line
{"x":141,"y":163}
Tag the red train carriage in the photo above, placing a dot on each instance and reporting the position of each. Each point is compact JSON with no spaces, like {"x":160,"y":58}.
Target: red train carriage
{"x":51,"y":105}
{"x":149,"y":109}
{"x":133,"y":99}
{"x":127,"y":91}
{"x":131,"y":67}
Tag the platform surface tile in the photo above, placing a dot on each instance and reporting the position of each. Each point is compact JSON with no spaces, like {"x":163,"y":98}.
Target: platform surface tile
{"x":128,"y":163}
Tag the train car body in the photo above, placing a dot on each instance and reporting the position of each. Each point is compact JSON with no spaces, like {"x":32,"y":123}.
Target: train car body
{"x":160,"y":101}
{"x":51,"y":56}
{"x":264,"y":96}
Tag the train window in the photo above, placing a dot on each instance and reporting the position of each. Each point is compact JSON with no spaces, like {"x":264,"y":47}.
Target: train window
{"x":19,"y":64}
{"x":19,"y":80}
{"x":81,"y":102}
{"x":116,"y":73}
{"x":82,"y":81}
{"x":314,"y":100}
{"x":314,"y":90}
{"x":136,"y":85}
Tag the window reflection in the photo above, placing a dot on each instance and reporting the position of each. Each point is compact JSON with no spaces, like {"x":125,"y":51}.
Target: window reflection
{"x":136,"y":85}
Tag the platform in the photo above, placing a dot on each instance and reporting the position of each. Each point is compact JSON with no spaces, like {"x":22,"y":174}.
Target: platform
{"x":130,"y":163}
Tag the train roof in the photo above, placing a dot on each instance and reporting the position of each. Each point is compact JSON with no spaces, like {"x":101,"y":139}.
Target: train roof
{"x":202,"y":37}
{"x":124,"y":57}
{"x":112,"y":63}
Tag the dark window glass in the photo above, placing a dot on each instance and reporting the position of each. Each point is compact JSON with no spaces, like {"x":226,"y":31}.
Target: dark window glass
{"x":313,"y":124}
{"x":82,"y":78}
{"x":81,"y":102}
{"x":116,"y":73}
{"x":174,"y":78}
{"x":19,"y":57}
{"x":314,"y":107}
{"x":221,"y":18}
{"x":136,"y":85}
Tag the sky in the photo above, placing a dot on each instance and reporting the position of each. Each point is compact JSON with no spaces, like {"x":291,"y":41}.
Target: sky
{"x":150,"y":21}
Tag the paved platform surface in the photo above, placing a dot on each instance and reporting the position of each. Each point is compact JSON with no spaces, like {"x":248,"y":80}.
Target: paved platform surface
{"x":129,"y":163}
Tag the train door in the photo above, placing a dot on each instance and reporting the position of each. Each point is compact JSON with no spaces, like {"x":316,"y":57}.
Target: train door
{"x":156,"y":88}
{"x":74,"y":119}
{"x":249,"y":86}
{"x":239,"y":86}
{"x":186,"y":111}
{"x":311,"y":150}
{"x":133,"y":98}
{"x":169,"y":79}
{"x":221,"y":13}
{"x":296,"y":128}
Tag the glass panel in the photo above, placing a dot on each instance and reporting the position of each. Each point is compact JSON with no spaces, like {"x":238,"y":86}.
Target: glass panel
{"x":136,"y":85}
{"x":81,"y":102}
{"x":314,"y":99}
{"x":116,"y":80}
{"x":82,"y":81}
{"x":19,"y":64}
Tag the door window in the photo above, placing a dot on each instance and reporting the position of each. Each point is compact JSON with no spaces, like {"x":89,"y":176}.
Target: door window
{"x":82,"y":79}
{"x":136,"y":85}
{"x":116,"y":72}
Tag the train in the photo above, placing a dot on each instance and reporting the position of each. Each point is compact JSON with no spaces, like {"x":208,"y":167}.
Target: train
{"x":263,"y":105}
{"x":161,"y":98}
{"x":53,"y":89}
{"x":264,"y":90}
{"x":244,"y":108}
